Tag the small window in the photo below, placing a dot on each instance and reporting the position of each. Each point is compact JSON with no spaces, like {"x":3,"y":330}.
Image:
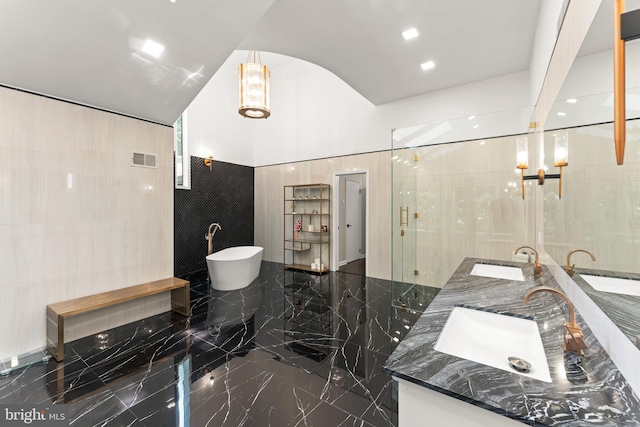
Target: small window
{"x":181,"y":149}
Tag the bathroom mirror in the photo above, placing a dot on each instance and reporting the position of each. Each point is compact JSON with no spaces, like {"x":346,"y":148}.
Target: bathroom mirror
{"x":600,"y":206}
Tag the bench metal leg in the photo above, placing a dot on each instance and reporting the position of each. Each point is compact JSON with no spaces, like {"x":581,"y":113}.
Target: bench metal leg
{"x":181,"y":300}
{"x":55,"y":335}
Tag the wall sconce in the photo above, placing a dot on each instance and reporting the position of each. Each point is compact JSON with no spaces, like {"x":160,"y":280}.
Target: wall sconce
{"x":522,"y":160}
{"x":522,"y":156}
{"x":561,"y":155}
{"x":209,"y":162}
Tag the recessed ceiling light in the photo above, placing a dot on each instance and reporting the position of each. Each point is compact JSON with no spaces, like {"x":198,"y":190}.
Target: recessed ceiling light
{"x":572,"y":100}
{"x":410,"y":34}
{"x":476,"y":126}
{"x":152,"y":48}
{"x":560,"y":113}
{"x":427,"y":65}
{"x":472,"y":117}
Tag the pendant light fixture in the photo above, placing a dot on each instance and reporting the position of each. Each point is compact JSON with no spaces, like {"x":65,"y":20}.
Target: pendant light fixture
{"x":254,"y":88}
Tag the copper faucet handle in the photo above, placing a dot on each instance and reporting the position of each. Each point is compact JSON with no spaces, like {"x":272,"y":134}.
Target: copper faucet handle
{"x":573,"y":339}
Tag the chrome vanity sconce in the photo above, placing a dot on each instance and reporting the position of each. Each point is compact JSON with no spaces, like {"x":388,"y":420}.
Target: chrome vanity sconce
{"x":561,"y":159}
{"x":537,"y":267}
{"x":573,"y":338}
{"x":208,"y":162}
{"x":569,"y":267}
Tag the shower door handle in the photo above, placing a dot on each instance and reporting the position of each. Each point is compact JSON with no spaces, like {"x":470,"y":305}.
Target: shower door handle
{"x":404,"y":212}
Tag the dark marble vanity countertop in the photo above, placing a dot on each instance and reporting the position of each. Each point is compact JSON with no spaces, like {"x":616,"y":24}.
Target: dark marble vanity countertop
{"x":599,"y":395}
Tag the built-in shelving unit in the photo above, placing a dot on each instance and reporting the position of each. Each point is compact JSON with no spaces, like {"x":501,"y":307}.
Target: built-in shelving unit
{"x":307,"y":209}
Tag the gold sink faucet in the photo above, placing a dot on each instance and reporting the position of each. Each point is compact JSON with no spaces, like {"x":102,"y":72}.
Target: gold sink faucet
{"x":573,"y":341}
{"x":537,"y":267}
{"x":569,"y":267}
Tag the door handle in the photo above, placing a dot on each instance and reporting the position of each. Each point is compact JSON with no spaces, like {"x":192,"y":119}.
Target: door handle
{"x":348,"y":225}
{"x":404,"y":216}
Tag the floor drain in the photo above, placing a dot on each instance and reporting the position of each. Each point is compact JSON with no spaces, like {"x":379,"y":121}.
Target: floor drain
{"x":519,"y":364}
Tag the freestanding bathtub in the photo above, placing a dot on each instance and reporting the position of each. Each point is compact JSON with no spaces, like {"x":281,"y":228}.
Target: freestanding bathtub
{"x":234,"y":268}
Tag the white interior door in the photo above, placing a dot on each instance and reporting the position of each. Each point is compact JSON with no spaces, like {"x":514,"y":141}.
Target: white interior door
{"x":354,"y":220}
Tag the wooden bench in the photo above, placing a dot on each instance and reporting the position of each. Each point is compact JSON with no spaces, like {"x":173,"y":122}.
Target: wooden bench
{"x":56,"y":313}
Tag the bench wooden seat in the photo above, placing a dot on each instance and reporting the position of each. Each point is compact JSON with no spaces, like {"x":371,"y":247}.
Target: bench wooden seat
{"x":56,"y":313}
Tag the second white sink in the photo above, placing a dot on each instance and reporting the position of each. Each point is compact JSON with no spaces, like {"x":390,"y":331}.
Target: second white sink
{"x":491,"y":339}
{"x":613,"y":285}
{"x":498,"y":272}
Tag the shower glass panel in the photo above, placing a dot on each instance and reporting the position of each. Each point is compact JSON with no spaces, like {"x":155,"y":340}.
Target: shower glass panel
{"x":404,"y":207}
{"x":456,"y":193}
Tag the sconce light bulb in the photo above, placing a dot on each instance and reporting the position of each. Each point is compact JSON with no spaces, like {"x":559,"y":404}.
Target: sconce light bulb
{"x":561,"y":152}
{"x":522,"y":152}
{"x":561,"y":155}
{"x":523,"y":159}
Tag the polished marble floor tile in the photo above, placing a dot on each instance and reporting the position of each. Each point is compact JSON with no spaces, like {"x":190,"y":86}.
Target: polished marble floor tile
{"x":291,"y":349}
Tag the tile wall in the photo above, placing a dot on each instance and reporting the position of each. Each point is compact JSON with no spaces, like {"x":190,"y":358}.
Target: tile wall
{"x":269,"y":205}
{"x":469,"y":203}
{"x":75,"y":217}
{"x":221,"y":195}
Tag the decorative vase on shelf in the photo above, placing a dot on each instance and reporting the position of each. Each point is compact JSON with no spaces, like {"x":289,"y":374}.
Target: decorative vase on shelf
{"x":297,"y":235}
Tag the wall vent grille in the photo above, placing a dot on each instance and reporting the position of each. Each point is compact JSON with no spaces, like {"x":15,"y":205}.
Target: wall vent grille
{"x":144,"y":160}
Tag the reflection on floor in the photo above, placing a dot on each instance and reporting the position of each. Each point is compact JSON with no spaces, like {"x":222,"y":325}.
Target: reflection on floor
{"x":355,"y":267}
{"x":290,"y":349}
{"x":412,"y":297}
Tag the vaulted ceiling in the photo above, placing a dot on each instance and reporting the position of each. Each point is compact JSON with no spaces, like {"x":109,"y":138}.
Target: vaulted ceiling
{"x":90,"y":51}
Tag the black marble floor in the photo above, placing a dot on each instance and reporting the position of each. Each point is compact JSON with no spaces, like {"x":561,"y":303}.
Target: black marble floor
{"x":292,"y":349}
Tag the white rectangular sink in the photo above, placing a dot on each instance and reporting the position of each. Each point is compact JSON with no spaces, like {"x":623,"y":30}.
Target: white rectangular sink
{"x":498,"y":272}
{"x":613,"y":285}
{"x":491,"y":338}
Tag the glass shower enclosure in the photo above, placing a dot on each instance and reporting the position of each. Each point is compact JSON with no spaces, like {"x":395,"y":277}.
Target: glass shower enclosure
{"x":455,"y":194}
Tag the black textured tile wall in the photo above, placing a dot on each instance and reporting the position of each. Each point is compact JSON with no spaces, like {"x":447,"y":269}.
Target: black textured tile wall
{"x":223,"y":195}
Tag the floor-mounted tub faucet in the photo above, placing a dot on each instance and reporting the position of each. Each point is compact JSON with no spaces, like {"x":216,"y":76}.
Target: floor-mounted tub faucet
{"x":209,"y":236}
{"x":569,"y":267}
